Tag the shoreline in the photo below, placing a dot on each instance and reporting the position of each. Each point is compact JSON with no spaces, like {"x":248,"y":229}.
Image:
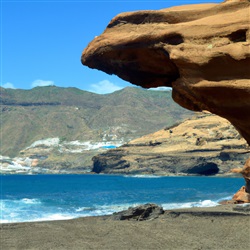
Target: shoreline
{"x":219,"y":227}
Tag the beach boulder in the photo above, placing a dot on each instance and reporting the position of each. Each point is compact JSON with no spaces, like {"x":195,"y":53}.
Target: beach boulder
{"x":142,"y":212}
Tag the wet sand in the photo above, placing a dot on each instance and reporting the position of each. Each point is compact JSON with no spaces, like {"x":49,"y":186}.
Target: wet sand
{"x":214,"y":228}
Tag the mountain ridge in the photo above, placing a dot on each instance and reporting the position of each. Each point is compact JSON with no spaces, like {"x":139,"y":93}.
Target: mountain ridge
{"x":71,"y":114}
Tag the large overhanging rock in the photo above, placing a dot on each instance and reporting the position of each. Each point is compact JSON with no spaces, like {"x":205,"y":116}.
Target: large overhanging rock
{"x":201,"y":51}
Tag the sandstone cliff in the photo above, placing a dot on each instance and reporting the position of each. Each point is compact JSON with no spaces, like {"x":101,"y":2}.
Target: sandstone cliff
{"x":203,"y":145}
{"x":201,"y":51}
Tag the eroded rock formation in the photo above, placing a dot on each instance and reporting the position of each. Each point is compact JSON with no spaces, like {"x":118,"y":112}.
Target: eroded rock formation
{"x":203,"y":145}
{"x":148,"y":211}
{"x":243,"y":195}
{"x":201,"y":51}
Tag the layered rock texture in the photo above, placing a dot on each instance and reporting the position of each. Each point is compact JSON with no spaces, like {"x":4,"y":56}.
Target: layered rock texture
{"x":201,"y":51}
{"x":203,"y":145}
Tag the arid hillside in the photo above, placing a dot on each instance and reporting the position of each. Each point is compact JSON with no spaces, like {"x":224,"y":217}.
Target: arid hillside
{"x":205,"y":145}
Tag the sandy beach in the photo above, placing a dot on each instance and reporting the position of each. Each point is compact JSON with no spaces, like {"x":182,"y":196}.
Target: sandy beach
{"x":222,"y":227}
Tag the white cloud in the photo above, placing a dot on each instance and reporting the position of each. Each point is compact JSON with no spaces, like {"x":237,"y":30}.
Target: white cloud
{"x":41,"y":83}
{"x":8,"y":85}
{"x":161,"y":88}
{"x":104,"y":87}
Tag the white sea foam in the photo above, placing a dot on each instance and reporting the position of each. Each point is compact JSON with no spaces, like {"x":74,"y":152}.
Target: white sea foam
{"x":26,"y":209}
{"x":143,"y":176}
{"x":23,"y":214}
{"x":104,"y":209}
{"x":80,"y":209}
{"x":4,"y":221}
{"x":6,"y":204}
{"x":31,"y":201}
{"x":48,"y":217}
{"x":110,"y":209}
{"x":205,"y":203}
{"x":18,"y":210}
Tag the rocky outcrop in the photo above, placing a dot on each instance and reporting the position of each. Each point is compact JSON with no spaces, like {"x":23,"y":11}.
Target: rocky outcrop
{"x":201,"y":51}
{"x":142,"y":212}
{"x":243,"y":195}
{"x":204,"y":145}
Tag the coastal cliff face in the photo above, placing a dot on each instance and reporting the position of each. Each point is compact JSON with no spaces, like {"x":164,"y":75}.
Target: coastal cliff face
{"x":203,"y":145}
{"x":201,"y":51}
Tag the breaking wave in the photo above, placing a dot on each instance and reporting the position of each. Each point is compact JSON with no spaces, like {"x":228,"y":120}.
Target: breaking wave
{"x":27,"y":210}
{"x":63,"y":197}
{"x":143,"y":176}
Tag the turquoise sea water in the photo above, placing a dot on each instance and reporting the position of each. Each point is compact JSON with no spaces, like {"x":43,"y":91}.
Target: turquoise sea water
{"x":55,"y":197}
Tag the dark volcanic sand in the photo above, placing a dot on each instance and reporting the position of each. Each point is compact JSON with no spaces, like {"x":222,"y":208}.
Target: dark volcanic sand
{"x":198,"y":228}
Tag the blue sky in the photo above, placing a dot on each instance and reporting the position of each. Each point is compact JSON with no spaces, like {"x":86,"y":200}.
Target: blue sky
{"x":42,"y":41}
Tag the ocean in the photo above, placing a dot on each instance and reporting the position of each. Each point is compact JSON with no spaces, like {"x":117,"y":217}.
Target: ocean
{"x":58,"y":197}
